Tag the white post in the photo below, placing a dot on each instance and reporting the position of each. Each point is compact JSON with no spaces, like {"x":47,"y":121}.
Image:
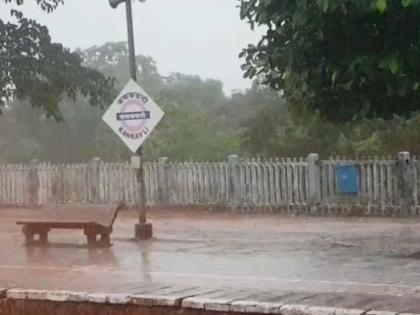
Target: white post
{"x":94,"y":180}
{"x":314,"y":182}
{"x":234,"y":181}
{"x":34,"y":184}
{"x":162,"y":180}
{"x":405,"y":183}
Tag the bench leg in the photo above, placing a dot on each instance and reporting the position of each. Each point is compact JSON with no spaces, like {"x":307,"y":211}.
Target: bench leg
{"x":91,"y":236}
{"x":30,"y":233}
{"x":43,"y":237}
{"x":91,"y":239}
{"x":105,"y":240}
{"x":29,"y":238}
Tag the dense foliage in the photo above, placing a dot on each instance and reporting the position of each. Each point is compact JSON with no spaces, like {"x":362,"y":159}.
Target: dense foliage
{"x":201,"y":123}
{"x":346,"y":59}
{"x":34,"y":68}
{"x":195,"y":125}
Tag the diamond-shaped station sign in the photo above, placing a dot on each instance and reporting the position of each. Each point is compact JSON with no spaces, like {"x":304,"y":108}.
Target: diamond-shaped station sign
{"x":133,"y":115}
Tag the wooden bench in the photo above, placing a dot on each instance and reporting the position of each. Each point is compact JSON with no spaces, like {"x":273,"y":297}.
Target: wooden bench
{"x":95,"y":220}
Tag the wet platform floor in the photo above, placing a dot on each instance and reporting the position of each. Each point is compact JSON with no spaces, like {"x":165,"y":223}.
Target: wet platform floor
{"x":363,"y":263}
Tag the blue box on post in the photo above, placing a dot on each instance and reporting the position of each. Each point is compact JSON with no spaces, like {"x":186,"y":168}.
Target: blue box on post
{"x":347,"y":179}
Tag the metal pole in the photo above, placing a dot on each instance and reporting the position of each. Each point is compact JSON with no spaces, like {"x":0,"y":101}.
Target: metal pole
{"x":131,"y":50}
{"x":133,"y":71}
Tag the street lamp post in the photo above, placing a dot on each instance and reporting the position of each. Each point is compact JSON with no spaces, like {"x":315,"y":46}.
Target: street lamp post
{"x":143,"y":229}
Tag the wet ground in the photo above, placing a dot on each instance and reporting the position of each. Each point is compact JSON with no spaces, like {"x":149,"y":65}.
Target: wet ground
{"x":195,"y":249}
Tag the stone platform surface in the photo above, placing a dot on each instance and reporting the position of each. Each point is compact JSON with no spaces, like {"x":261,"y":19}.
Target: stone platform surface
{"x":229,"y":263}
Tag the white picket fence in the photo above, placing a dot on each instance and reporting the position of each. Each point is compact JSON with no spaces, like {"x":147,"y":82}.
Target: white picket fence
{"x":386,"y":186}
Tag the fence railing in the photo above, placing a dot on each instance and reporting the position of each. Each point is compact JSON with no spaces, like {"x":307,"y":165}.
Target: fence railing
{"x":385,"y":186}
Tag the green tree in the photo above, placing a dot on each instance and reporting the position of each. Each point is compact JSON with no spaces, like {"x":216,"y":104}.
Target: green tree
{"x":80,"y":134}
{"x":188,"y":132}
{"x":344,"y":58}
{"x":269,"y":129}
{"x":112,"y":60}
{"x":207,"y":94}
{"x":32,"y":67}
{"x":197,"y":124}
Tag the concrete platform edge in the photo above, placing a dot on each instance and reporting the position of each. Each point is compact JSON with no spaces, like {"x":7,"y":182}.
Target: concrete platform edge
{"x":188,"y":302}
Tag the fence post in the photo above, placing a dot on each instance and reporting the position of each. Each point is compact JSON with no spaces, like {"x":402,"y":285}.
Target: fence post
{"x":405,"y":183}
{"x":234,"y":181}
{"x":94,"y":180}
{"x":162,"y":180}
{"x":314,"y":182}
{"x":33,"y":184}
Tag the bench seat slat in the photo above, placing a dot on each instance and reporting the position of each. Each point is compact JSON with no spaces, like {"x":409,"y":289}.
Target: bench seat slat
{"x":59,"y":224}
{"x":78,"y":214}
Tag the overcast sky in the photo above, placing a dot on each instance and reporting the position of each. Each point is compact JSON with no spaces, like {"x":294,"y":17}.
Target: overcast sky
{"x":201,"y":37}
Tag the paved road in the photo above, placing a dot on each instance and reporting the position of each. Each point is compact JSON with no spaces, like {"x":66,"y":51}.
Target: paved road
{"x":314,"y":257}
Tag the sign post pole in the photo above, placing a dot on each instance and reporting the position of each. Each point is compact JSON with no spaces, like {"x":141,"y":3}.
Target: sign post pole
{"x":143,"y":230}
{"x":133,"y":116}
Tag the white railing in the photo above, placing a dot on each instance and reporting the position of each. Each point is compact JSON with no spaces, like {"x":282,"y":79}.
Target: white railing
{"x":386,"y":186}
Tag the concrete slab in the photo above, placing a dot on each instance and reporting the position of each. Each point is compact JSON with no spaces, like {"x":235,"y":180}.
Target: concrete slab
{"x":20,"y":300}
{"x":81,"y":300}
{"x":314,"y":310}
{"x":20,"y":294}
{"x":179,"y":289}
{"x":65,"y":296}
{"x":46,"y":295}
{"x":168,"y":297}
{"x":156,"y":300}
{"x":136,"y":288}
{"x":378,"y":312}
{"x":218,"y":300}
{"x":255,"y":307}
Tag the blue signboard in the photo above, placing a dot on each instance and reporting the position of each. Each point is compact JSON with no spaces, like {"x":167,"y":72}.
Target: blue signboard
{"x":347,"y":179}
